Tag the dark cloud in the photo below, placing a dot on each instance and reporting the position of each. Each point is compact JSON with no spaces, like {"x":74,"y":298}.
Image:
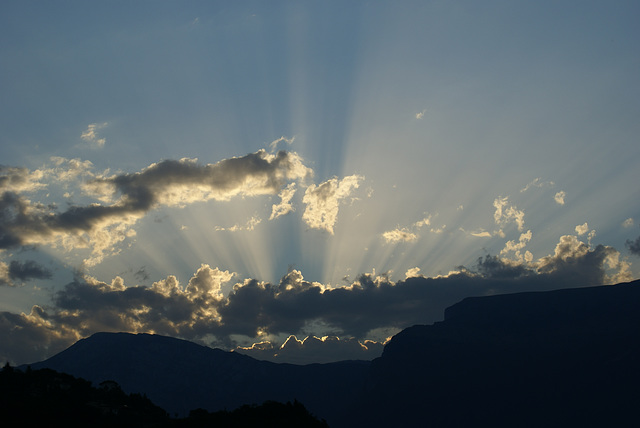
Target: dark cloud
{"x":31,"y":338}
{"x":27,"y":270}
{"x":142,"y":274}
{"x":634,"y":246}
{"x":15,"y":220}
{"x":263,"y":173}
{"x":89,"y":307}
{"x":170,"y":182}
{"x":495,"y":268}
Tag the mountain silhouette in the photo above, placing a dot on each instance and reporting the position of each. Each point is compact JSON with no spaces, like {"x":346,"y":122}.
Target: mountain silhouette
{"x":561,"y":358}
{"x":569,"y":357}
{"x":181,"y":376}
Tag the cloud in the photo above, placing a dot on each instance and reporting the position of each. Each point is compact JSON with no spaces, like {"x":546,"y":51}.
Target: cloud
{"x":249,"y":225}
{"x":582,"y":229}
{"x":405,"y":234}
{"x":16,"y":180}
{"x":91,"y":135}
{"x":421,"y":114}
{"x":506,"y":213}
{"x":576,"y":261}
{"x":314,"y":349}
{"x":516,"y":247}
{"x":413,"y":272}
{"x":323,"y":201}
{"x":399,"y":235}
{"x":27,"y":270}
{"x":559,"y":197}
{"x":493,"y":267}
{"x":627,"y":223}
{"x":33,"y":336}
{"x":285,"y":206}
{"x":537,"y":182}
{"x":424,"y":222}
{"x":275,"y":143}
{"x":175,"y":183}
{"x":4,"y":275}
{"x":634,"y":246}
{"x":125,"y":198}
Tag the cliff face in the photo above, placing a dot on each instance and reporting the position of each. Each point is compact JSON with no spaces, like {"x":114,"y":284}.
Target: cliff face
{"x":564,"y":358}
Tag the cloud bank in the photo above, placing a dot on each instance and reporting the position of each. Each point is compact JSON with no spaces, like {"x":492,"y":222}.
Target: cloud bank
{"x":255,"y":311}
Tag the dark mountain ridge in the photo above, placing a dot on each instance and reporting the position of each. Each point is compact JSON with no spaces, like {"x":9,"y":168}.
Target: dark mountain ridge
{"x":569,"y":357}
{"x":180,"y":376}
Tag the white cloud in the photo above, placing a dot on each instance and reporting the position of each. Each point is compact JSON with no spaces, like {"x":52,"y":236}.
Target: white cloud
{"x":559,"y":197}
{"x":628,"y":223}
{"x":275,"y":143}
{"x":479,"y":233}
{"x":18,"y":180}
{"x":399,"y":235}
{"x":581,"y":229}
{"x":516,"y":247}
{"x":421,"y":114}
{"x":67,"y":170}
{"x":506,"y":213}
{"x":249,"y":225}
{"x":424,"y":222}
{"x":91,"y":134}
{"x":207,"y":283}
{"x":437,"y":230}
{"x":323,"y":201}
{"x":413,"y":273}
{"x":404,"y":234}
{"x":4,"y":274}
{"x":537,"y":182}
{"x":284,"y":207}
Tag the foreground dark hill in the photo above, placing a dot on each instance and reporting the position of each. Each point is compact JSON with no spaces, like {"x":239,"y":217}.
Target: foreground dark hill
{"x":45,"y":397}
{"x":561,"y":358}
{"x":48,"y":398}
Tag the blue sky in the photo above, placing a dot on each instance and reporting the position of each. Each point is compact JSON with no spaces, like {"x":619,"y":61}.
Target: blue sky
{"x":140,"y":145}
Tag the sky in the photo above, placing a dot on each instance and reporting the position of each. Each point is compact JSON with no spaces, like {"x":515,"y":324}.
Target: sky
{"x":300,"y":180}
